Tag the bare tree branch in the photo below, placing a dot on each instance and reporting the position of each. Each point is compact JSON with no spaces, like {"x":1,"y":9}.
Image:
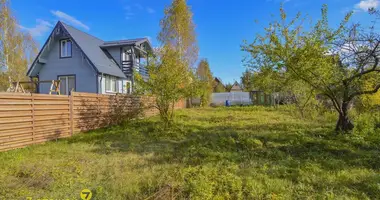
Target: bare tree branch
{"x":376,"y":89}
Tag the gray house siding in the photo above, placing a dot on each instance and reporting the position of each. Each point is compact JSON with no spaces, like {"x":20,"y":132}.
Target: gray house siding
{"x":115,"y":53}
{"x":85,"y":76}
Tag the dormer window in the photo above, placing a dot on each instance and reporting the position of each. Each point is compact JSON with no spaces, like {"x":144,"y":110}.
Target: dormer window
{"x":65,"y":48}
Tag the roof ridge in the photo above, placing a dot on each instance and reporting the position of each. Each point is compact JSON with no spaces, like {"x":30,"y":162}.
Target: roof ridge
{"x":142,"y":38}
{"x":91,"y":47}
{"x":80,"y":30}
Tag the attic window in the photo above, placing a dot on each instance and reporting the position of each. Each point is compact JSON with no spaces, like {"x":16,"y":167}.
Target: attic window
{"x":65,"y":48}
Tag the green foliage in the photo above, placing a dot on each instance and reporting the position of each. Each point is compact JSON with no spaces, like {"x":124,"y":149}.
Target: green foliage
{"x":219,"y":87}
{"x":170,"y":77}
{"x":319,"y":58}
{"x":178,"y":31}
{"x":210,"y":153}
{"x":247,"y":81}
{"x":168,"y":81}
{"x":205,"y":84}
{"x":370,"y":101}
{"x":213,"y":182}
{"x":17,"y":49}
{"x":287,"y":87}
{"x":228,"y":87}
{"x":367,"y":123}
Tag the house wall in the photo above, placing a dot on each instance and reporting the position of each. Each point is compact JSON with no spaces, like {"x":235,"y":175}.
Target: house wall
{"x":115,"y":53}
{"x":102,"y":85}
{"x":85,"y":75}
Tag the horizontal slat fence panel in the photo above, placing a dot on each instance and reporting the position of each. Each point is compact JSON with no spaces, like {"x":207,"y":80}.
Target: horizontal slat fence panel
{"x":27,"y":119}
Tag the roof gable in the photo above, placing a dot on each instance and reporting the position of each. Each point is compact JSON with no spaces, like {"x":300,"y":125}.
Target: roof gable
{"x":90,"y":47}
{"x":129,"y":42}
{"x":236,"y":86}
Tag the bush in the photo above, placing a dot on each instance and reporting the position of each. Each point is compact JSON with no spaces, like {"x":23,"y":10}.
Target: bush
{"x":367,"y":123}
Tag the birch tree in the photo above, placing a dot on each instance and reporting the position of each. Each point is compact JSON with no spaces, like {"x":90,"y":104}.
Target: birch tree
{"x":17,"y":48}
{"x":165,"y":82}
{"x":178,"y":30}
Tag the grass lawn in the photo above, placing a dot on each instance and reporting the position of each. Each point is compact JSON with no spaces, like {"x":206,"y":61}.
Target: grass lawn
{"x":212,"y":153}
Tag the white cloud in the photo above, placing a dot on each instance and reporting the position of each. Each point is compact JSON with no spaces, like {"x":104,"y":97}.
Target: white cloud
{"x":128,"y":12}
{"x":40,"y":29}
{"x":367,"y":4}
{"x":69,"y":19}
{"x":139,"y":6}
{"x":150,"y":10}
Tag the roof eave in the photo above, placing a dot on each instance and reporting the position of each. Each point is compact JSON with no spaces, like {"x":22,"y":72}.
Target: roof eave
{"x":39,"y":53}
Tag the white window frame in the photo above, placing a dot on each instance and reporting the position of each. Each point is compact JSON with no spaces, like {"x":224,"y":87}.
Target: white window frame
{"x":65,"y":50}
{"x":113,"y":84}
{"x":67,"y":92}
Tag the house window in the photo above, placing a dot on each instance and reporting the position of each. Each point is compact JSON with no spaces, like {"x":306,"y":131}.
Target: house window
{"x":67,"y":84}
{"x":111,"y":84}
{"x":66,"y":48}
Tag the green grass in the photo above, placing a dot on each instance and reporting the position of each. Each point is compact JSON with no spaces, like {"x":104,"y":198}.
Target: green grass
{"x":213,"y":153}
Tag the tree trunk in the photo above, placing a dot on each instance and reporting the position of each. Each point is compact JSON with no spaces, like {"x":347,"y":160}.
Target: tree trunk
{"x":344,"y":123}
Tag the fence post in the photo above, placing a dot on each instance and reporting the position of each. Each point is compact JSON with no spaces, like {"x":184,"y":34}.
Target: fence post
{"x":265,"y":99}
{"x":101,"y":117}
{"x":33,"y":118}
{"x":71,"y":102}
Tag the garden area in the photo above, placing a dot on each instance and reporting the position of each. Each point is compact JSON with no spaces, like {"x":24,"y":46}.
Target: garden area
{"x":208,"y":153}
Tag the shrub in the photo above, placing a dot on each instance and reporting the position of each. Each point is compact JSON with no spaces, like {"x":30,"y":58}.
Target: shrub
{"x":367,"y":123}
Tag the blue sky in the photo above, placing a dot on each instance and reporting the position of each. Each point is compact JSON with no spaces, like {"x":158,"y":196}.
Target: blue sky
{"x":221,"y":25}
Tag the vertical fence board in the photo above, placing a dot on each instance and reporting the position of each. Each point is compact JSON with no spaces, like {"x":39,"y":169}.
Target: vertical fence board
{"x":33,"y":118}
{"x":71,"y":114}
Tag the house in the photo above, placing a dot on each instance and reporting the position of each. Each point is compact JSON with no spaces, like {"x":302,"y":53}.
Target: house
{"x":85,"y":63}
{"x":236,"y":87}
{"x":218,"y":85}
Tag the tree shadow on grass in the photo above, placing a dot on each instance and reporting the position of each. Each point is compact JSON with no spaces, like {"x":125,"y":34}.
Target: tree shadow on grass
{"x":289,"y":146}
{"x":271,"y":141}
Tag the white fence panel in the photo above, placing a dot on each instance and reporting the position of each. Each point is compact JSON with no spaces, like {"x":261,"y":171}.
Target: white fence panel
{"x":235,"y":98}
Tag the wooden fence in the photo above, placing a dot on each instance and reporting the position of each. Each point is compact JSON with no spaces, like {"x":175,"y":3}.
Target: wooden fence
{"x":27,"y":119}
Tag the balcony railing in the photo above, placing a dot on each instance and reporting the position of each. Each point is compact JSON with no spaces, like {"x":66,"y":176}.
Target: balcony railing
{"x":128,"y":67}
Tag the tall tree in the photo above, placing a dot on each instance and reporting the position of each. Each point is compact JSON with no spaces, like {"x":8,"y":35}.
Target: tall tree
{"x":206,"y":81}
{"x":165,"y":82}
{"x":16,"y":48}
{"x":170,"y":76}
{"x":332,"y":61}
{"x":178,"y":30}
{"x":247,"y":80}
